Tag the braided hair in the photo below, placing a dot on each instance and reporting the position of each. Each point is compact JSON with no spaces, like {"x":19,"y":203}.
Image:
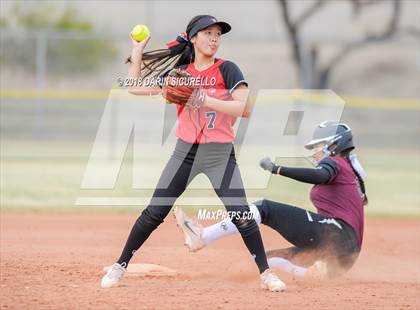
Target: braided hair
{"x":155,"y":62}
{"x":346,"y":155}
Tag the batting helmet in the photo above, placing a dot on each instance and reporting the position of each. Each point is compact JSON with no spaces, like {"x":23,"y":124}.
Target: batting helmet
{"x":332,"y":133}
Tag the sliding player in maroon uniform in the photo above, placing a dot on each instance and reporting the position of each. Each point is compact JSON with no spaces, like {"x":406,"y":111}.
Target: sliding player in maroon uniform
{"x":324,"y":243}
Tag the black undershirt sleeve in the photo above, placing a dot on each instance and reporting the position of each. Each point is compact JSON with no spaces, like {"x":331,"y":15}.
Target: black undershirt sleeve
{"x":325,"y":172}
{"x":232,"y":75}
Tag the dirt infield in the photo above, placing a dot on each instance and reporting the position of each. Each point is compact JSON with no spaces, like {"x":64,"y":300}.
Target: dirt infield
{"x":55,"y":261}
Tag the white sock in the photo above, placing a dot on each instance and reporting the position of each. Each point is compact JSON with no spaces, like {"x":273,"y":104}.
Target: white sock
{"x":286,"y":266}
{"x":226,"y":227}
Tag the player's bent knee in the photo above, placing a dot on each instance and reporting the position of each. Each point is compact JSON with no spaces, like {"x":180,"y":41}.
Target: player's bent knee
{"x":245,"y":226}
{"x":258,"y":203}
{"x":149,"y":217}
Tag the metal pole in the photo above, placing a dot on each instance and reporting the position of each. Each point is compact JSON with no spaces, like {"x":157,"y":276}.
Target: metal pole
{"x":306,"y":67}
{"x":41,"y":60}
{"x":149,"y":15}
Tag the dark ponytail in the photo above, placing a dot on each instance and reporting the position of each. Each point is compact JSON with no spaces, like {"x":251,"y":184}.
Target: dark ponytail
{"x":179,"y":52}
{"x":359,"y":179}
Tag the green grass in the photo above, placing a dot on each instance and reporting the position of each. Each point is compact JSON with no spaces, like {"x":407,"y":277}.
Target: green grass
{"x":47,"y":176}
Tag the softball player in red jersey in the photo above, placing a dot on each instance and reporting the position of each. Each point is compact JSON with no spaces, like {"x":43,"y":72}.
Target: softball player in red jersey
{"x":205,"y":139}
{"x":324,"y":243}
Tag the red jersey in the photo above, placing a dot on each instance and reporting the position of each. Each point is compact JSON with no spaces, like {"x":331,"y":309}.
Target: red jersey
{"x":341,"y":197}
{"x":206,"y":125}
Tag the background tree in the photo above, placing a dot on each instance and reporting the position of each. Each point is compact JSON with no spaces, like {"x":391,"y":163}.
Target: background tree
{"x":321,"y":74}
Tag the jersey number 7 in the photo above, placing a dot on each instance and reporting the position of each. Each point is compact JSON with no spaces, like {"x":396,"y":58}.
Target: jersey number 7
{"x":212,"y":118}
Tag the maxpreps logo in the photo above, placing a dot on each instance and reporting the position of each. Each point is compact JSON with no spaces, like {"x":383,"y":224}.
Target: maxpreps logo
{"x":281,"y":122}
{"x":220,"y":214}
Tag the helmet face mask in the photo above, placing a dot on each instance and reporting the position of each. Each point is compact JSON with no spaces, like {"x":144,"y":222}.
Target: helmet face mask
{"x":318,"y":152}
{"x":329,"y":138}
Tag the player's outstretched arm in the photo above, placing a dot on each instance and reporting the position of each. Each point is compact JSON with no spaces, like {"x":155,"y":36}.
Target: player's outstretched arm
{"x":324,"y":172}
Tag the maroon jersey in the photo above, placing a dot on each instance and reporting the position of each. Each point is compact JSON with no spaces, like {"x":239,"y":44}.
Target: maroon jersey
{"x":341,"y":196}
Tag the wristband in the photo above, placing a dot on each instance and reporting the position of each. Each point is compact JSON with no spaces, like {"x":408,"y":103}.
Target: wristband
{"x":276,"y":169}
